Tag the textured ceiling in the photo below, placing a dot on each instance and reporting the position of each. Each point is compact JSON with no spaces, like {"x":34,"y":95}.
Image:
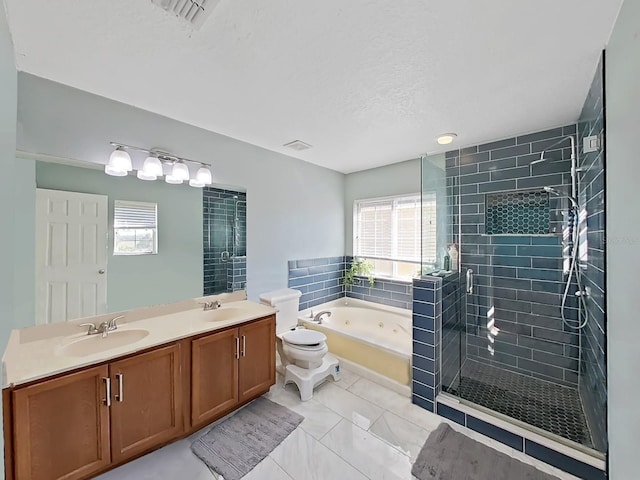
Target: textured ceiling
{"x":365,"y":82}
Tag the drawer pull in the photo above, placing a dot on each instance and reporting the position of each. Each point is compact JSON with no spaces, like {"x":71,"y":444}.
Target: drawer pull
{"x":244,"y":346}
{"x":107,"y":382}
{"x":237,"y":347}
{"x":120,"y":394}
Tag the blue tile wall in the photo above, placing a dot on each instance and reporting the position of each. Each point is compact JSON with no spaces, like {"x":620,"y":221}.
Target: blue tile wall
{"x":518,"y":278}
{"x":236,"y":274}
{"x":427,"y":314}
{"x":453,"y":344}
{"x":593,"y":387}
{"x":319,"y":279}
{"x":394,"y":293}
{"x":533,"y":449}
{"x":223,"y":232}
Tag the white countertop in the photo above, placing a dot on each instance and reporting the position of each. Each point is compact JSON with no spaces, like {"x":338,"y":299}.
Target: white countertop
{"x":38,"y":352}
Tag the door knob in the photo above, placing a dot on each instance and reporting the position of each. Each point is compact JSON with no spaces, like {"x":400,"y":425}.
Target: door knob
{"x":101,"y":271}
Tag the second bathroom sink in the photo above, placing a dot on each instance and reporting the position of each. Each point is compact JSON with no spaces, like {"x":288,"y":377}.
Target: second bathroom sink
{"x":91,"y":344}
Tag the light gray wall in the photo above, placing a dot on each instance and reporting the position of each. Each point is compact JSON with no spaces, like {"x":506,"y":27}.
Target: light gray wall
{"x":394,"y":179}
{"x":622,"y":75}
{"x":175,"y":273}
{"x":294,"y":209}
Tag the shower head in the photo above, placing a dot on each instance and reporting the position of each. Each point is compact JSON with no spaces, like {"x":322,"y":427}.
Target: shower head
{"x":555,"y":192}
{"x":540,"y":160}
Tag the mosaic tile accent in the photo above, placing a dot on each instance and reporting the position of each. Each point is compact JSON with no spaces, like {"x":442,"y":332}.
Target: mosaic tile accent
{"x":542,"y":404}
{"x":517,"y":213}
{"x":592,"y":196}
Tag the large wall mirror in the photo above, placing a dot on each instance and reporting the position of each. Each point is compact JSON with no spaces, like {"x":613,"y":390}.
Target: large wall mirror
{"x":108,"y":244}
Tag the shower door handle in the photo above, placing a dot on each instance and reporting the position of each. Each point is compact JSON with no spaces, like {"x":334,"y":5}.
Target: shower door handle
{"x":469,"y":281}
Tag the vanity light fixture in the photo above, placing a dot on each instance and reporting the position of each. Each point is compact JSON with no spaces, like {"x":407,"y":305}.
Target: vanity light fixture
{"x":120,"y":165}
{"x":151,"y":169}
{"x":447,"y":138}
{"x":203,"y":178}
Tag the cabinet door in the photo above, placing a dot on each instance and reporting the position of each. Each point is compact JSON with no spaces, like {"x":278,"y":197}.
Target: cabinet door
{"x":257,"y":357}
{"x":147,"y":401}
{"x":214,"y":375}
{"x":61,"y":427}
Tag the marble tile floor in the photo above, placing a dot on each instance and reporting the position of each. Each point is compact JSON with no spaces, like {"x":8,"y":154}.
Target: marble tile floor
{"x":353,"y":429}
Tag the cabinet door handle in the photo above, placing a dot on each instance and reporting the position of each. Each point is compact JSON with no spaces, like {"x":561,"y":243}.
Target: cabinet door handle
{"x":107,"y":382}
{"x":120,"y":394}
{"x":244,"y":346}
{"x":237,"y":347}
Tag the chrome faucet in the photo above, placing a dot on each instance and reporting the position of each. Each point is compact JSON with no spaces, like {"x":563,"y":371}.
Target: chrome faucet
{"x":104,"y":328}
{"x":318,"y":317}
{"x":213,"y":305}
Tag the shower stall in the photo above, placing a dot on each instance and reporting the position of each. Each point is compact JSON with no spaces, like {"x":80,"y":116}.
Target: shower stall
{"x":522,"y":335}
{"x":224,"y":240}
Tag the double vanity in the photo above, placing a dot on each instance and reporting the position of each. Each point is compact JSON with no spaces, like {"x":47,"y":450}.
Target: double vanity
{"x":77,"y":404}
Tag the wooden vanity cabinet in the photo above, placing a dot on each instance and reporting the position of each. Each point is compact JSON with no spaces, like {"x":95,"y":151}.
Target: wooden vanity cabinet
{"x":61,"y":427}
{"x":257,"y":369}
{"x":77,"y":425}
{"x":214,"y":376}
{"x":231,"y":367}
{"x":147,"y":401}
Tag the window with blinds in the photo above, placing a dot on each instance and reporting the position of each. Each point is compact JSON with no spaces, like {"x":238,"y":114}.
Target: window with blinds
{"x":135,"y":228}
{"x":387,"y":232}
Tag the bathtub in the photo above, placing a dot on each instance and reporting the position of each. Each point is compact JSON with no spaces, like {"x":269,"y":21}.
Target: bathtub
{"x":373,"y":336}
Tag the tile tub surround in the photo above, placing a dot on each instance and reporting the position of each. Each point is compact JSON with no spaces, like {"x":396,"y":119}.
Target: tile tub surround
{"x":593,"y":387}
{"x":518,"y":278}
{"x":319,"y":279}
{"x":322,"y":279}
{"x":339,"y":419}
{"x":220,"y":231}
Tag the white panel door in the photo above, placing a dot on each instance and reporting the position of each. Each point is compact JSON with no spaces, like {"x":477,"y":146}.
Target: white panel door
{"x":71,"y":255}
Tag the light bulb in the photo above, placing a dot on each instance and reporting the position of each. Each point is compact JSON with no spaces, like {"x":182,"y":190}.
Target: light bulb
{"x":119,"y":163}
{"x":142,"y":175}
{"x":172,"y":180}
{"x":180,"y":171}
{"x":152,"y":166}
{"x":203,"y":176}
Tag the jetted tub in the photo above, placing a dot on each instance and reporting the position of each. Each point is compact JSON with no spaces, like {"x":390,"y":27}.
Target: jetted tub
{"x":368,"y":334}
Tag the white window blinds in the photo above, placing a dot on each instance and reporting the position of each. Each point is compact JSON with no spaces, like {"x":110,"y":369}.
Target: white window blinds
{"x":134,"y":214}
{"x":390,"y":228}
{"x":135,"y":228}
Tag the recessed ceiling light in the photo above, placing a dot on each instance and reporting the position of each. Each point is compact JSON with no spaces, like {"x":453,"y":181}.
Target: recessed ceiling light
{"x":298,"y":145}
{"x":446,"y":138}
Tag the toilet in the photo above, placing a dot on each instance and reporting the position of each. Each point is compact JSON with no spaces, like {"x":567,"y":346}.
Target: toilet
{"x":304,"y":355}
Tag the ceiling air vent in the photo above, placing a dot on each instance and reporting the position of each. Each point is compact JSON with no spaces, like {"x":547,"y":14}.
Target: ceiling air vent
{"x":298,"y":145}
{"x":194,"y":12}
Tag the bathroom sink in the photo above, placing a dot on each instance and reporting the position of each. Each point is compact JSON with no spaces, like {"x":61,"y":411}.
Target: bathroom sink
{"x":224,"y":313}
{"x":90,"y":344}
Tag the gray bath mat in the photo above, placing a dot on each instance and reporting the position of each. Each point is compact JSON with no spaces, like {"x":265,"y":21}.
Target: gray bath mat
{"x":236,"y":445}
{"x":449,"y":455}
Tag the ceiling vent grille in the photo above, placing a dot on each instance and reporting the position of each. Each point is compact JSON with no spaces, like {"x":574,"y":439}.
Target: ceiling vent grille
{"x":194,"y":12}
{"x":298,"y":145}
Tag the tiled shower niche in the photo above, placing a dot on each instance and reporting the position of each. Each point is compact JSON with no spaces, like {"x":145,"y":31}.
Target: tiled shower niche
{"x":517,"y":213}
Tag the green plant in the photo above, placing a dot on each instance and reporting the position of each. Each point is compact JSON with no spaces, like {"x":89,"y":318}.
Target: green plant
{"x":359,"y":267}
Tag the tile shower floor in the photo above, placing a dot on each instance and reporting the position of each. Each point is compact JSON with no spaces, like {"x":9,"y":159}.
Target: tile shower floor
{"x":545,"y":405}
{"x":353,"y":429}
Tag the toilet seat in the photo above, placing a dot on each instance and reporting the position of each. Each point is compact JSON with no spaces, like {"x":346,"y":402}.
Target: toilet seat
{"x":304,"y":337}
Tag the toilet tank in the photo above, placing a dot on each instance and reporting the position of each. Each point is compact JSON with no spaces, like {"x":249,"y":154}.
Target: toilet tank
{"x":286,"y":301}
